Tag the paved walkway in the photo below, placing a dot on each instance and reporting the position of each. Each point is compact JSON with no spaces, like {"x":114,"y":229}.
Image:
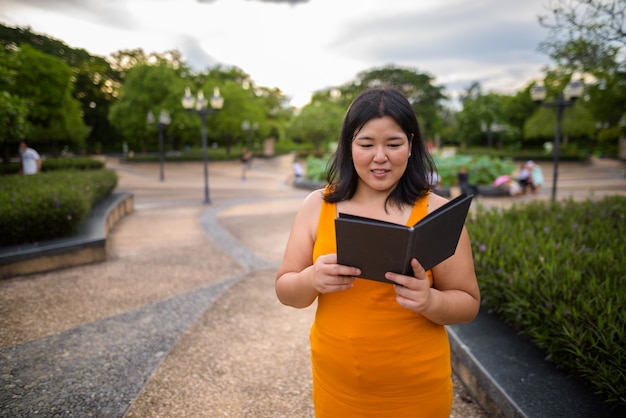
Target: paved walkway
{"x":182,"y":319}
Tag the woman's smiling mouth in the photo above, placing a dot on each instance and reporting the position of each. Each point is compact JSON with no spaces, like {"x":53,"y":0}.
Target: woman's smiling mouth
{"x":379,"y":172}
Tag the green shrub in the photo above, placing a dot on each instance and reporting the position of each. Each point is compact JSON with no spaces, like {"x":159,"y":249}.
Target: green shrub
{"x":56,"y":164}
{"x":49,"y":205}
{"x":482,"y":170}
{"x":73,"y":163}
{"x":192,"y":154}
{"x":316,"y":168}
{"x":9,"y":168}
{"x":570,"y":153}
{"x":556,"y":272}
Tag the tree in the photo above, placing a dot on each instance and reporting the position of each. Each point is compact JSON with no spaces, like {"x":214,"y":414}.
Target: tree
{"x":320,"y":120}
{"x":54,"y":115}
{"x":158,"y":81}
{"x":585,"y":34}
{"x":425,"y":97}
{"x":96,"y":86}
{"x":95,"y":83}
{"x":240,"y":104}
{"x":318,"y":123}
{"x":484,"y":119}
{"x":469,"y":117}
{"x":243,"y":101}
{"x":588,"y":37}
{"x":13,"y":109}
{"x":577,"y":124}
{"x":13,"y":125}
{"x":147,"y":88}
{"x":607,"y":99}
{"x":124,"y":60}
{"x":600,"y":21}
{"x":277,"y":111}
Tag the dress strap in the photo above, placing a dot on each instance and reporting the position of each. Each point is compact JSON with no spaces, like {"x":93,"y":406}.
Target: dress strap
{"x":420,"y":210}
{"x":328,"y":213}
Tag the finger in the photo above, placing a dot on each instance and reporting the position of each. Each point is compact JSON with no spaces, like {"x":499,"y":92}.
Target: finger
{"x":328,"y":258}
{"x":409,"y":282}
{"x":418,"y":270}
{"x":341,"y":270}
{"x":398,"y":279}
{"x":338,"y":284}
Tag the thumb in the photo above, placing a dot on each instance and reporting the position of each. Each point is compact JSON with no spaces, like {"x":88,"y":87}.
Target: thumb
{"x":418,"y":270}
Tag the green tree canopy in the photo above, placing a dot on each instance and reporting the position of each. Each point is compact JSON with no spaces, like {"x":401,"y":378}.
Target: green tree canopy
{"x":13,"y":109}
{"x":320,"y":120}
{"x":585,"y":35}
{"x":147,"y":88}
{"x":318,"y":123}
{"x":587,"y":38}
{"x":261,"y":107}
{"x":95,"y":83}
{"x":492,"y":118}
{"x":54,"y":116}
{"x":577,"y":123}
{"x":425,"y":97}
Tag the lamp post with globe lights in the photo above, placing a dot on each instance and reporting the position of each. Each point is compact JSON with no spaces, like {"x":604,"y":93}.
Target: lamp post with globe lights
{"x":564,"y":99}
{"x":199,"y":105}
{"x":164,"y":120}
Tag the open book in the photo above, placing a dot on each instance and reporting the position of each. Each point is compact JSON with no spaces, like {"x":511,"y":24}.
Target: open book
{"x":377,"y":247}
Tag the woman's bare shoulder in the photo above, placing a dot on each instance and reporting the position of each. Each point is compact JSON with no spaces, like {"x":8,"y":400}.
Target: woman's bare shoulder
{"x":435,"y":201}
{"x":313,"y":202}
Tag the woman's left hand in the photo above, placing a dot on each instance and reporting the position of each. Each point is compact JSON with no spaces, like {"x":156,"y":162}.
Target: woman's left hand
{"x":412,"y":293}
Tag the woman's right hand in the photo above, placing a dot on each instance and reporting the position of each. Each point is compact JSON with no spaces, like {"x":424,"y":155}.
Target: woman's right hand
{"x":327,"y":276}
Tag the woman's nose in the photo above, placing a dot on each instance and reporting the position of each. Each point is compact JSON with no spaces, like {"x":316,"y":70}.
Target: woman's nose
{"x":380,"y":155}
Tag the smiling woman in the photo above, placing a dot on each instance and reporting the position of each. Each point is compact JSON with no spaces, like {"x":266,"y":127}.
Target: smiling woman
{"x":377,"y":349}
{"x":380,"y":152}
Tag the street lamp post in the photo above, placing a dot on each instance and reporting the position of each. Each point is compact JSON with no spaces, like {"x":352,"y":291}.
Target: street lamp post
{"x":164,"y":120}
{"x":199,"y":106}
{"x":565,"y":98}
{"x":248,"y":127}
{"x":490,"y":129}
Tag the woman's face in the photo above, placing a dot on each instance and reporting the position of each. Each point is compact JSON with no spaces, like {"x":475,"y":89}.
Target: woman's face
{"x":380,"y":152}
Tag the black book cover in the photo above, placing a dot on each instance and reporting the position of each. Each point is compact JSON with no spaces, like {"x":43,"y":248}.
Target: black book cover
{"x":377,"y":247}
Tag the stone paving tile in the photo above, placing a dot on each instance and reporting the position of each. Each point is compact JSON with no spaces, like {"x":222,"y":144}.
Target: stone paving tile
{"x":100,"y":367}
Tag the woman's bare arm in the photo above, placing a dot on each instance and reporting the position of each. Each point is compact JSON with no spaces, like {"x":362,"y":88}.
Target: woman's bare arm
{"x":298,"y":280}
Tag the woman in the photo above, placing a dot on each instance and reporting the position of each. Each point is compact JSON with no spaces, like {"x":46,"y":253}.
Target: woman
{"x":377,"y":349}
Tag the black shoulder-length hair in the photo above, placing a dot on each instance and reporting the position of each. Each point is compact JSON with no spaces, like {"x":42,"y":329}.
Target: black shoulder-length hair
{"x":377,"y":103}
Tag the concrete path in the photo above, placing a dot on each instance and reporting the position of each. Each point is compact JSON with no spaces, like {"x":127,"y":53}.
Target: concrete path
{"x":182,"y":319}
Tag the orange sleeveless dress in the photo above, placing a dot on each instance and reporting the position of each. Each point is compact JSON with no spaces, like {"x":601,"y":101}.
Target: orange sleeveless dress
{"x":371,"y":357}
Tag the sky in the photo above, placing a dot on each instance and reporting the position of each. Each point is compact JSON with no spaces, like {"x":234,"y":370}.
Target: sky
{"x":302,"y":46}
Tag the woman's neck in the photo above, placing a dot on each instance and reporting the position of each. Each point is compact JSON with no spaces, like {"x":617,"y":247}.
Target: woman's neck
{"x":373,"y":204}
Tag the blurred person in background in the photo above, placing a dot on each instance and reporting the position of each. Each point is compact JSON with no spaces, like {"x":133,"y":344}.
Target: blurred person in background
{"x":30,"y":159}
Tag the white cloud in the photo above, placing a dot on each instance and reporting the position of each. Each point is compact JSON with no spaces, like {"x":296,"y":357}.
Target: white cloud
{"x":302,"y":46}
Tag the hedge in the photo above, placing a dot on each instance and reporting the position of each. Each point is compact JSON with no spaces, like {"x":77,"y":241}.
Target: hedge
{"x":556,"y":272}
{"x":56,"y":164}
{"x":50,"y":204}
